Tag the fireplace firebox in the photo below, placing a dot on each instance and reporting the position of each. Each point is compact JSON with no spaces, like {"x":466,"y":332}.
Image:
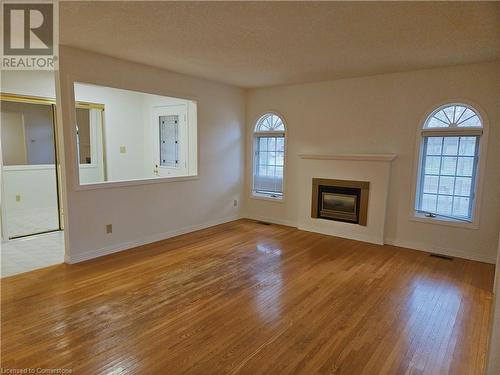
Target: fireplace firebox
{"x":340,"y":200}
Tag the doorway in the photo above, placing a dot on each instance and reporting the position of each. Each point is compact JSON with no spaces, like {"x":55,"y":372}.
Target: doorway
{"x":31,"y":210}
{"x":30,"y":181}
{"x":32,"y":215}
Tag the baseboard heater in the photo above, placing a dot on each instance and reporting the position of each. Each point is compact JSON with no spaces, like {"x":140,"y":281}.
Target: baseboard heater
{"x":441,"y":256}
{"x":263,"y":223}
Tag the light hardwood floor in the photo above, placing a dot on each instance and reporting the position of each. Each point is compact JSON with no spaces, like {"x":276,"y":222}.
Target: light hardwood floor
{"x":247,"y":298}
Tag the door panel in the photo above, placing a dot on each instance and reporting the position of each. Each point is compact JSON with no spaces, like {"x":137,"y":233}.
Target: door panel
{"x":169,"y":138}
{"x":169,"y":141}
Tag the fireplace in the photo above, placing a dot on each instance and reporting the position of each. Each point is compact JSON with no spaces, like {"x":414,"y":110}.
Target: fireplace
{"x":340,"y":200}
{"x":339,"y":204}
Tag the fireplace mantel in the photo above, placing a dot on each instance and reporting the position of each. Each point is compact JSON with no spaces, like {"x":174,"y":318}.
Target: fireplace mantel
{"x":372,"y":168}
{"x":354,"y":157}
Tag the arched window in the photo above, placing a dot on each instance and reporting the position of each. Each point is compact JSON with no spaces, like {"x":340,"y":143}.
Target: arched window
{"x":269,"y":156}
{"x":449,"y":156}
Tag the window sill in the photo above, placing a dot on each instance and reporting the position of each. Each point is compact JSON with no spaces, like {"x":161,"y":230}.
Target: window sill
{"x":267,"y":197}
{"x":443,"y":221}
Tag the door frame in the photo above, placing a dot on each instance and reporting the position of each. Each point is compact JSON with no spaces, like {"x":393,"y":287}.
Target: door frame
{"x":40,"y":101}
{"x":31,"y":99}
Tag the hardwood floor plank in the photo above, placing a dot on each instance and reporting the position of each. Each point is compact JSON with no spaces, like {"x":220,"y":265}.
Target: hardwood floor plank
{"x":248,"y":298}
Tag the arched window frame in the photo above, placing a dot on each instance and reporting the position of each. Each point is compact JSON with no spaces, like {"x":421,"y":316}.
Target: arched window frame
{"x":454,"y":130}
{"x":263,"y":129}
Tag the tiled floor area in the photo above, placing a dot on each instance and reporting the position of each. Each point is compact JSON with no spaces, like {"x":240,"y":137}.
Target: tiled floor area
{"x":29,"y":253}
{"x":33,"y":220}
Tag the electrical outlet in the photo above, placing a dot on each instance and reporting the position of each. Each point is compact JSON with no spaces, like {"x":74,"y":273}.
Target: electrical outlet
{"x":235,"y":203}
{"x":18,"y":197}
{"x":123,"y":150}
{"x":109,"y":228}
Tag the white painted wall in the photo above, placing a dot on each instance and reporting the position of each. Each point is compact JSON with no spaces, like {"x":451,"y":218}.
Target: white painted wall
{"x":28,"y":82}
{"x":381,"y":114}
{"x":155,"y":209}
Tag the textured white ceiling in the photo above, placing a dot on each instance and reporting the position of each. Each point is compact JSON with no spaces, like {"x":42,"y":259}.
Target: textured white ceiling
{"x":255,"y":44}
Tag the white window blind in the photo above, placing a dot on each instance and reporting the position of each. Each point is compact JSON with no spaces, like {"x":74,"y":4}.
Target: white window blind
{"x":269,"y":164}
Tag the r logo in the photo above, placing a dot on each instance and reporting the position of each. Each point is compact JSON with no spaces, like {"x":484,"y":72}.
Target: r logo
{"x":28,"y":29}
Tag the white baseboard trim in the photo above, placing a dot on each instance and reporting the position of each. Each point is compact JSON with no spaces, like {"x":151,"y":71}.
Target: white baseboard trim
{"x":163,"y":236}
{"x":288,"y":223}
{"x":356,"y":237}
{"x":388,"y":241}
{"x":144,"y":241}
{"x":440,"y":250}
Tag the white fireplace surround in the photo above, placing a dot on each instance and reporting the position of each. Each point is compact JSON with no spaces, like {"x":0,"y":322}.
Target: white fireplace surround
{"x":374,"y":168}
